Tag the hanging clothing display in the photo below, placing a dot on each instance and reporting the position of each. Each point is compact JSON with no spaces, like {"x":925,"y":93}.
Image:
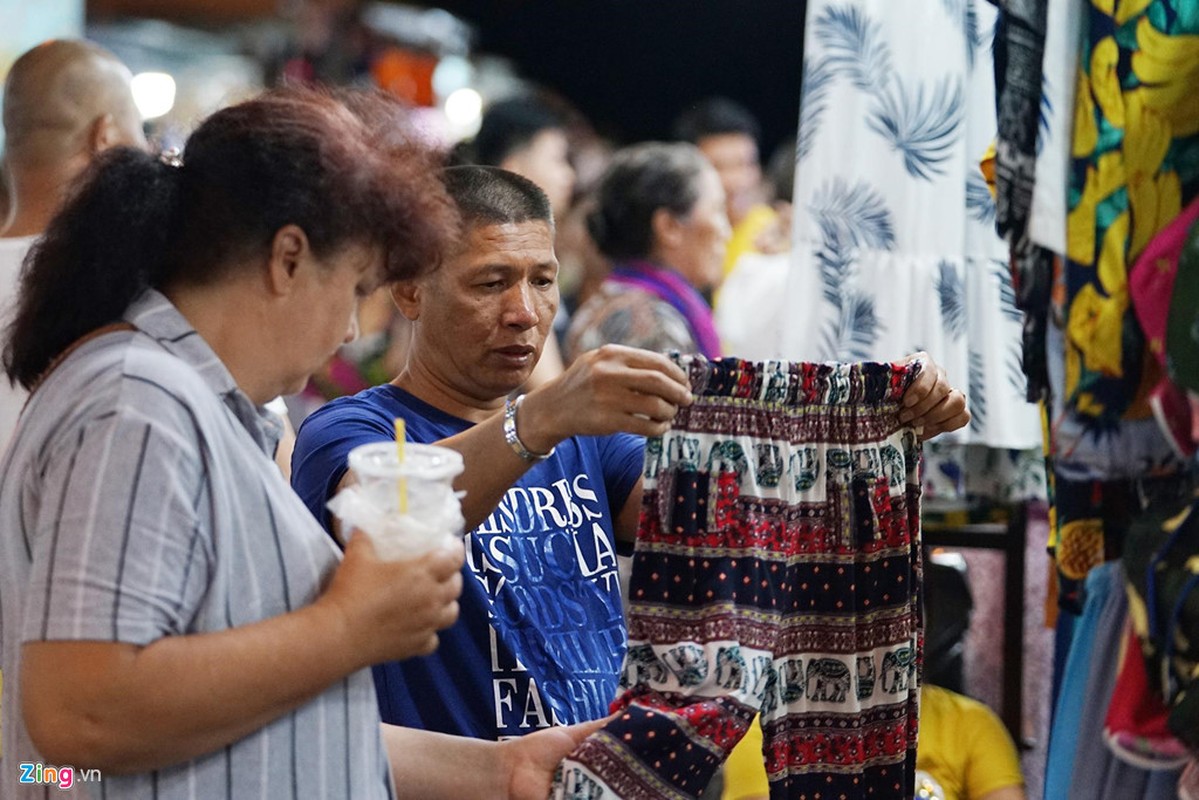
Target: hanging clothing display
{"x":1136,"y":164}
{"x":1059,"y":81}
{"x":894,"y":242}
{"x":777,"y":571}
{"x":1019,"y":47}
{"x":1151,"y":284}
{"x":1080,"y":766}
{"x":1136,"y":728}
{"x":1162,"y":579}
{"x":894,"y":235}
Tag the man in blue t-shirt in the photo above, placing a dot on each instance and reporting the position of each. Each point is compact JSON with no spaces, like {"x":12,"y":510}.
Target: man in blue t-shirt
{"x":541,"y":636}
{"x":552,"y":480}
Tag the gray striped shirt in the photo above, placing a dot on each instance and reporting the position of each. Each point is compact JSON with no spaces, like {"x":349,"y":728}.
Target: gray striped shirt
{"x":139,"y":500}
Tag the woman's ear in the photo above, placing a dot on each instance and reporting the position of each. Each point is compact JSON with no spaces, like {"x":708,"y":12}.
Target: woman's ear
{"x":289,"y":248}
{"x":407,"y":296}
{"x":667,"y":229}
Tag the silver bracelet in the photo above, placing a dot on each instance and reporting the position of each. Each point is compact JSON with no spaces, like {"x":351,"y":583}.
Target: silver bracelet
{"x":512,"y":439}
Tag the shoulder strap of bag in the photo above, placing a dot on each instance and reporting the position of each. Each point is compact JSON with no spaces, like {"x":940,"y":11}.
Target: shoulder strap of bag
{"x":112,"y":327}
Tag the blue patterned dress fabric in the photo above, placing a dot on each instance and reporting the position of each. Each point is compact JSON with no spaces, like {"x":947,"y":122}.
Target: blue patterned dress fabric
{"x":895,"y":248}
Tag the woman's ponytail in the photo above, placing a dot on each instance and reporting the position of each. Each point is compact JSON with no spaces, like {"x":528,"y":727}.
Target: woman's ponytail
{"x":106,"y":245}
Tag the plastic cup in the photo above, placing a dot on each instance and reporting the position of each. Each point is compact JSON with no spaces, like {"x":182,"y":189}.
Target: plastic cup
{"x":426,"y":475}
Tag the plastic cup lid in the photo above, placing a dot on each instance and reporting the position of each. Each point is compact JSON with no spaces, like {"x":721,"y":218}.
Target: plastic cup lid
{"x":426,"y":461}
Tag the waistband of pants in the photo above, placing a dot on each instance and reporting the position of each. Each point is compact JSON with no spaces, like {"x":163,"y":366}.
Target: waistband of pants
{"x":798,"y":383}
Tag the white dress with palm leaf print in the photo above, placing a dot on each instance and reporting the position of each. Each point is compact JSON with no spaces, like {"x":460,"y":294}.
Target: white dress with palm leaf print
{"x":895,"y":247}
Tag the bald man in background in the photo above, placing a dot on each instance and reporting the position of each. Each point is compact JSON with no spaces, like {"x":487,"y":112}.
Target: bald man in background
{"x":65,"y":102}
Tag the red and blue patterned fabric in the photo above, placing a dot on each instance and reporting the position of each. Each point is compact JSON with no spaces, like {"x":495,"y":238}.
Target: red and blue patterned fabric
{"x":777,"y":571}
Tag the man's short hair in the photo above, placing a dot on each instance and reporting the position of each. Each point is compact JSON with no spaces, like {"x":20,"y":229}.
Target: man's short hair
{"x":494,"y":196}
{"x":715,"y":116}
{"x":510,"y":125}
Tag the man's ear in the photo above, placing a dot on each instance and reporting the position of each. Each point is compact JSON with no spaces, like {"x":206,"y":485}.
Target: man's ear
{"x":407,"y":296}
{"x":102,"y":134}
{"x":289,"y":250}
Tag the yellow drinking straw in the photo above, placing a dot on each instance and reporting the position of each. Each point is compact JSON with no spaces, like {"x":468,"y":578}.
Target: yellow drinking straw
{"x":403,"y":484}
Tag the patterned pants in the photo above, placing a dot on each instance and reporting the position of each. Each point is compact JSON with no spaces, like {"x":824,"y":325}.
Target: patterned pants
{"x":777,"y":571}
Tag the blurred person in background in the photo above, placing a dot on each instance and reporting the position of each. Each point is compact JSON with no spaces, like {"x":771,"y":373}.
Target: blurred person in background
{"x":528,"y":136}
{"x":780,"y":173}
{"x":66,"y":102}
{"x":780,"y":177}
{"x":750,"y":308}
{"x":329,"y":45}
{"x":727,"y":134}
{"x":660,"y":218}
{"x":581,"y":265}
{"x":964,"y":753}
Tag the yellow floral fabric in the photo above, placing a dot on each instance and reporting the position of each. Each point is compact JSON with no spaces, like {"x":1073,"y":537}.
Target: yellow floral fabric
{"x":1134,"y":166}
{"x":1136,"y":163}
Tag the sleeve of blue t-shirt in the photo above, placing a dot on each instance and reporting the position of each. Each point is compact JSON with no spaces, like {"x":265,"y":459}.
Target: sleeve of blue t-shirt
{"x":323,"y":443}
{"x":622,"y":456}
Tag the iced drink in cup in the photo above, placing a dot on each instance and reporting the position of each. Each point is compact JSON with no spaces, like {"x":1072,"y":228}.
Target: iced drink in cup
{"x":432,"y":513}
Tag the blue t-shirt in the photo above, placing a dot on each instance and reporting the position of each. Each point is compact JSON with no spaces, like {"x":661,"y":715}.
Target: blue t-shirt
{"x":541,"y":636}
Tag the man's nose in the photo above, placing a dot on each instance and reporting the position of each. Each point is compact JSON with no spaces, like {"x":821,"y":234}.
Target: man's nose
{"x":352,"y":331}
{"x":520,"y":310}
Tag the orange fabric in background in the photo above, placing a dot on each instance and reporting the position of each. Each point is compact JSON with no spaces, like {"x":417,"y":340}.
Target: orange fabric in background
{"x":406,"y":74}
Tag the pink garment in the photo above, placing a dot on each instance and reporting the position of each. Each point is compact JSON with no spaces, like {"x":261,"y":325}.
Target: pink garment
{"x":1151,"y":285}
{"x":1151,"y":280}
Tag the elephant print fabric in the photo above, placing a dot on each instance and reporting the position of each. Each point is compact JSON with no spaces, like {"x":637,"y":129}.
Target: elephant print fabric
{"x":777,"y":571}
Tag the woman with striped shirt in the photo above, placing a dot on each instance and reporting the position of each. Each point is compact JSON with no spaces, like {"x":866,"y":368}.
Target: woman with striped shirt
{"x":172,"y":615}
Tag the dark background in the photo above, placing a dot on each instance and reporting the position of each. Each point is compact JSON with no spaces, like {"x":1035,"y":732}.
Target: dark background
{"x":632,"y":65}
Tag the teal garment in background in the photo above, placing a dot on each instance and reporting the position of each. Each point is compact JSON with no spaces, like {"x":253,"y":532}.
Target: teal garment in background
{"x":1103,"y":594}
{"x":1080,"y":766}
